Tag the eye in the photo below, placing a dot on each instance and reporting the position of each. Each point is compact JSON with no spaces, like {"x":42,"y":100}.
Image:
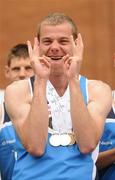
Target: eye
{"x":46,"y":41}
{"x":16,"y":69}
{"x":28,"y":68}
{"x":64,"y":41}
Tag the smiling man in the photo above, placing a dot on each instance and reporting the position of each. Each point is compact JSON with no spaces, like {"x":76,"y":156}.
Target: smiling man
{"x":58,"y":114}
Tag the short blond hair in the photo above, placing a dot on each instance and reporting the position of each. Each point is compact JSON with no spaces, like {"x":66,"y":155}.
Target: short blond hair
{"x":56,"y":19}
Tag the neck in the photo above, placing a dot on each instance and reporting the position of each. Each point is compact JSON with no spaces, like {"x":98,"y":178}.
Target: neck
{"x":60,"y":84}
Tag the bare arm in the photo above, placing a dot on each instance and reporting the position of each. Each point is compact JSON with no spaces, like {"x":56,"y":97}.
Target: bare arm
{"x":87,"y":120}
{"x":106,"y":158}
{"x":30,"y":116}
{"x":38,"y":120}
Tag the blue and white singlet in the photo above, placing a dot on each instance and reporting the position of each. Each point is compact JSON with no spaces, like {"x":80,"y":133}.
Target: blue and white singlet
{"x":7,"y":150}
{"x":107,"y":143}
{"x":57,"y":163}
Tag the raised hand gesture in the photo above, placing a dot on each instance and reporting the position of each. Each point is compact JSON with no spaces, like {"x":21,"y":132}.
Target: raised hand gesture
{"x":72,"y":64}
{"x":40,"y":65}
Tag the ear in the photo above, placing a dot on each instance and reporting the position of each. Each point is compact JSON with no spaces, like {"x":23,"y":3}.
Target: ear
{"x":7,"y":72}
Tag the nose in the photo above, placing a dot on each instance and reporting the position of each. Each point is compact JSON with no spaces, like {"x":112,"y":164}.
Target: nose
{"x":54,"y":46}
{"x":22,"y":73}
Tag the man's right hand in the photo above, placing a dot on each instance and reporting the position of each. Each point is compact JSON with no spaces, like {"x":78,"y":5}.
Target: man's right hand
{"x":40,"y":65}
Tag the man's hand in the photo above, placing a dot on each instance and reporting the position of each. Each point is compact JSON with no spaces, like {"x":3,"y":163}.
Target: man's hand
{"x":40,"y":65}
{"x":72,"y":64}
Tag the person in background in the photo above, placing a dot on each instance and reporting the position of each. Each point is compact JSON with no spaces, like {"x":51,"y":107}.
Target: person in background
{"x":60,"y":114}
{"x":106,"y":160}
{"x":18,"y":65}
{"x":18,"y":68}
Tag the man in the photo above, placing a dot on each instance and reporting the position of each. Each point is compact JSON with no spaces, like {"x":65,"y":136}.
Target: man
{"x":60,"y":126}
{"x":106,"y":159}
{"x":18,"y":67}
{"x":18,"y":63}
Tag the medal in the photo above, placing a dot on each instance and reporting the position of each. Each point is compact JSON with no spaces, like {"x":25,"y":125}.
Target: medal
{"x":55,"y":140}
{"x":65,"y":139}
{"x":62,"y":139}
{"x":72,"y":139}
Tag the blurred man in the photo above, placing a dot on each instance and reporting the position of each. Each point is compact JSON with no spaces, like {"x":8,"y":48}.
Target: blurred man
{"x":18,"y":68}
{"x":106,"y":159}
{"x":18,"y":64}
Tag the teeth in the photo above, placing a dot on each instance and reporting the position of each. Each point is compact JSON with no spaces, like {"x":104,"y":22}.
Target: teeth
{"x":56,"y":58}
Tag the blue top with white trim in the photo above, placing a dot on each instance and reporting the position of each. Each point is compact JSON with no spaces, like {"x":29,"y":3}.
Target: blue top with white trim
{"x":7,"y":150}
{"x":107,"y":143}
{"x":108,"y":138}
{"x":57,"y":163}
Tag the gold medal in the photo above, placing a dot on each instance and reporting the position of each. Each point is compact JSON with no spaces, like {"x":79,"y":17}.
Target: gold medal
{"x":65,"y":139}
{"x":55,"y":140}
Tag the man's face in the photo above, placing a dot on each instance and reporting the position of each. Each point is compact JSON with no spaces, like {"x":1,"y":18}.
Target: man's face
{"x":19,"y":69}
{"x":55,"y":42}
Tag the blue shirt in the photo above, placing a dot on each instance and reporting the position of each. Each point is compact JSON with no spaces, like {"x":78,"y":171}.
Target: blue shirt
{"x":7,"y":150}
{"x":57,"y":163}
{"x":108,"y":142}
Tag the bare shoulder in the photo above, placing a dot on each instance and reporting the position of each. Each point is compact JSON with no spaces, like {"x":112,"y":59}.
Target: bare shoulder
{"x":100,"y":93}
{"x":17,"y":90}
{"x":97,"y":85}
{"x":17,"y":99}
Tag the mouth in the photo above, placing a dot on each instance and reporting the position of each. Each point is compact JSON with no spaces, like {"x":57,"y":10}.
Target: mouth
{"x":56,"y":58}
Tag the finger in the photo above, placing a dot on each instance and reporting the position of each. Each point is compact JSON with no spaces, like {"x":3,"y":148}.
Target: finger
{"x":79,"y":41}
{"x":65,"y":57}
{"x":73,"y":44}
{"x":29,"y":48}
{"x":36,"y":46}
{"x":48,"y":58}
{"x":45,"y":60}
{"x":78,"y":51}
{"x":67,"y":61}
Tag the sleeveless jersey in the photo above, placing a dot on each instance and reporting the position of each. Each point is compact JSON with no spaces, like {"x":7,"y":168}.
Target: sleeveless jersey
{"x":6,"y":116}
{"x":108,"y":142}
{"x":7,"y":150}
{"x":57,"y":163}
{"x":108,"y":138}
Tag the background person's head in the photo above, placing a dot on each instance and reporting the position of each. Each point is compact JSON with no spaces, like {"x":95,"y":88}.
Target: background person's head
{"x":18,"y":65}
